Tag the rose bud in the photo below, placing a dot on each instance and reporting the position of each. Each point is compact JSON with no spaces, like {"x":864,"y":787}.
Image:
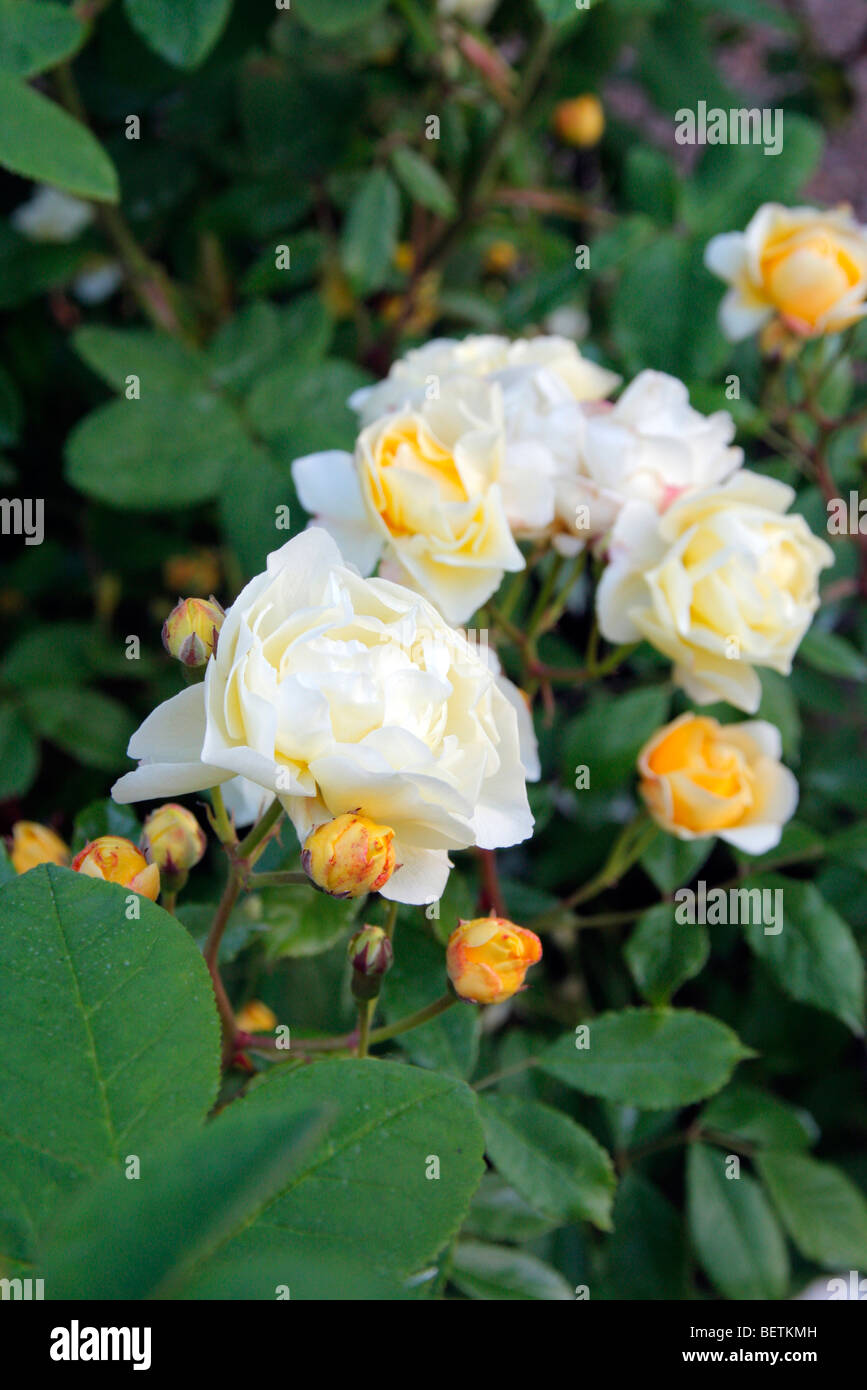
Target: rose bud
{"x":580,"y":121}
{"x":349,"y":856}
{"x":172,"y":839}
{"x":118,"y":861}
{"x":487,"y":959}
{"x":371,"y":954}
{"x":256,"y":1017}
{"x":34,"y":844}
{"x":191,"y":629}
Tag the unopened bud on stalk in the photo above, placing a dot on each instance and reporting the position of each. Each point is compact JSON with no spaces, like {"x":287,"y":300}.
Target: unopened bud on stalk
{"x":349,"y":856}
{"x":172,"y":839}
{"x":371,"y":954}
{"x":190,"y":631}
{"x":116,"y":860}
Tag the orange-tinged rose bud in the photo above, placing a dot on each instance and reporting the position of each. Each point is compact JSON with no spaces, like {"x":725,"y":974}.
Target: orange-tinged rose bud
{"x":116,"y":860}
{"x":487,"y":959}
{"x":349,"y":856}
{"x":501,"y":257}
{"x":256,"y":1017}
{"x":197,"y":573}
{"x":34,"y":844}
{"x":172,"y":839}
{"x":580,"y":121}
{"x":191,"y":629}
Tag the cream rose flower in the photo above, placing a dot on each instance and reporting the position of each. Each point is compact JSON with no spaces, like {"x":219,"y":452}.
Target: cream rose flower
{"x":700,"y":777}
{"x":723,"y":581}
{"x":424,"y":371}
{"x":803,"y":264}
{"x":423,"y":490}
{"x":340,"y":694}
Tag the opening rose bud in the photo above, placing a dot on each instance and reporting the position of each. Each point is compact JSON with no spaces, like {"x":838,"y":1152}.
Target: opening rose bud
{"x":173,"y":840}
{"x":190,"y":631}
{"x":349,"y":856}
{"x":580,"y":121}
{"x":34,"y":844}
{"x":118,"y":861}
{"x":487,"y":959}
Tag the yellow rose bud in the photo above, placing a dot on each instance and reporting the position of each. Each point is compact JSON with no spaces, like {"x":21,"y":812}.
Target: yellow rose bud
{"x":487,"y":959}
{"x":349,"y":856}
{"x":173,"y":840}
{"x":699,"y":778}
{"x":501,"y":257}
{"x":197,"y":573}
{"x":34,"y":844}
{"x":116,"y":860}
{"x":256,"y":1017}
{"x":804,"y":265}
{"x":403,"y":258}
{"x":191,"y":629}
{"x":580,"y":121}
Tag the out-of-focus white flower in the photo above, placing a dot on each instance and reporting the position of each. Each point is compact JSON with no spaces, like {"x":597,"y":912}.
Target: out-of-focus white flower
{"x":423,"y":489}
{"x":341,"y":695}
{"x":803,"y":264}
{"x":722,"y":582}
{"x":98,"y":281}
{"x":473,"y":11}
{"x":51,"y":216}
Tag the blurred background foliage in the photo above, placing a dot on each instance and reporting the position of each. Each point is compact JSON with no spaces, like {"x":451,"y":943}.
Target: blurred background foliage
{"x":306,"y":129}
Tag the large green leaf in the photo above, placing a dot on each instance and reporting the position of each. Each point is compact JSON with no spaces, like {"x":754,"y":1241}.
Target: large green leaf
{"x":183,"y":34}
{"x":663,"y":954}
{"x":815,"y":957}
{"x":88,"y":725}
{"x":36,"y":36}
{"x":359,"y":1192}
{"x":19,"y":755}
{"x":422,"y":181}
{"x":551,"y":1161}
{"x":756,"y":1117}
{"x":155,"y":453}
{"x":607,"y":737}
{"x":646,"y":1257}
{"x":731,"y":181}
{"x":111,"y":1040}
{"x":736,"y":1235}
{"x":302,"y":409}
{"x":651,"y":1058}
{"x":333,"y":17}
{"x":40,"y":141}
{"x":160,"y":363}
{"x":822,"y":1210}
{"x":370,"y":232}
{"x":494,"y":1272}
{"x":297,"y":922}
{"x":449,"y":1043}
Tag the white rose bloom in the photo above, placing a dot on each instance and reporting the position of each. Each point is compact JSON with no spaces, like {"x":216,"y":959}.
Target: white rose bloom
{"x":342,"y":694}
{"x":423,"y":491}
{"x":723,"y":581}
{"x":51,"y":216}
{"x":650,"y":446}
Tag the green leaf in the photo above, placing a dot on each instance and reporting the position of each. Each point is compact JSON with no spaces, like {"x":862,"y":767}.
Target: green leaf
{"x":104,"y":818}
{"x":40,"y":141}
{"x":449,"y":1043}
{"x":647,"y":1254}
{"x":359,"y":1192}
{"x":334,"y":17}
{"x":369,"y":233}
{"x":302,"y":410}
{"x":608,"y":736}
{"x":182,"y":34}
{"x":300,"y":923}
{"x":664,"y":310}
{"x":423,"y":182}
{"x":156,"y":453}
{"x":663,"y":954}
{"x":756,"y":1117}
{"x":832,"y":655}
{"x":813,"y":957}
{"x":731,"y":181}
{"x":555,"y":1164}
{"x":651,"y":1058}
{"x":99,"y":1009}
{"x":501,"y":1272}
{"x":160,"y":363}
{"x":736,"y":1236}
{"x":498,"y":1212}
{"x":850,"y":846}
{"x":823,"y":1212}
{"x":88,"y":725}
{"x":34,"y":37}
{"x":673,"y":863}
{"x":19,"y":755}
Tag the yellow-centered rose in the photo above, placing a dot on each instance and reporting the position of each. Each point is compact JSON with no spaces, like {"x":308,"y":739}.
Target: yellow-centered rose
{"x":723,"y":581}
{"x":116,"y":860}
{"x":488,"y":957}
{"x":34,"y":844}
{"x":699,"y":778}
{"x":805,"y":266}
{"x":349,"y":856}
